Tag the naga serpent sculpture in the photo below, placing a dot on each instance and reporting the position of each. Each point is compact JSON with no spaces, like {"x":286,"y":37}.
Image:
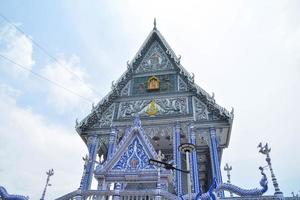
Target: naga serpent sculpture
{"x":5,"y":196}
{"x":218,"y":187}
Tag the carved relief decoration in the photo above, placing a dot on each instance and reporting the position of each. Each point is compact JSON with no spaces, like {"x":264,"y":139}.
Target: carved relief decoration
{"x":135,"y":157}
{"x":161,"y":131}
{"x":182,"y":86}
{"x":106,"y":117}
{"x":200,"y":110}
{"x":152,"y":109}
{"x":154,"y":60}
{"x":125,"y":91}
{"x":161,"y":106}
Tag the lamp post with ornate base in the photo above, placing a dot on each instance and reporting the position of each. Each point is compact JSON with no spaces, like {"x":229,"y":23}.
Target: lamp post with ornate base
{"x":187,"y":148}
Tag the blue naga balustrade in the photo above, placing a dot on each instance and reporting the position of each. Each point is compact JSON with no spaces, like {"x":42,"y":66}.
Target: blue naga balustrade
{"x":218,"y":187}
{"x":5,"y":196}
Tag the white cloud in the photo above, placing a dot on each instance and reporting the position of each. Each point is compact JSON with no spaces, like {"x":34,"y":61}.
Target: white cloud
{"x":18,"y":48}
{"x":30,"y":146}
{"x":70,"y":75}
{"x":6,"y":90}
{"x":65,"y":72}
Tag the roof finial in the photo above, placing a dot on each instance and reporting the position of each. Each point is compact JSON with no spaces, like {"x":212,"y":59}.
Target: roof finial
{"x":154,"y":23}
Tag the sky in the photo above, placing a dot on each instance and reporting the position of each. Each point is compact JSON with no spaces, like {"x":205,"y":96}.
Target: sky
{"x":246,"y":52}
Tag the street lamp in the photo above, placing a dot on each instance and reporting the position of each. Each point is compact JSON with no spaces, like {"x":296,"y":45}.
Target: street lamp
{"x":187,"y":148}
{"x":266,"y":151}
{"x":49,"y":173}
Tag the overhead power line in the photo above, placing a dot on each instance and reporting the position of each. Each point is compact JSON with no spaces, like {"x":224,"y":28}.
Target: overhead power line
{"x":44,"y":78}
{"x":44,"y":50}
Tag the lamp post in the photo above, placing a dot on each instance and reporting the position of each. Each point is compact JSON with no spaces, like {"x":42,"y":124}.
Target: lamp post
{"x":266,"y":151}
{"x":49,"y":173}
{"x":228,"y":168}
{"x":187,"y":148}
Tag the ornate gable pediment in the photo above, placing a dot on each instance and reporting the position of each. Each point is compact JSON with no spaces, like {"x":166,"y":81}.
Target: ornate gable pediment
{"x":131,"y":154}
{"x":155,"y":55}
{"x":154,"y":60}
{"x":134,"y":158}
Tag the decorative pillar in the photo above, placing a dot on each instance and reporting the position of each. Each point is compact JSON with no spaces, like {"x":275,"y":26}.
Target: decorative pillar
{"x":158,"y":185}
{"x":112,"y":141}
{"x":92,"y":143}
{"x":215,"y":157}
{"x":177,"y":159}
{"x":266,"y":151}
{"x":194,"y":163}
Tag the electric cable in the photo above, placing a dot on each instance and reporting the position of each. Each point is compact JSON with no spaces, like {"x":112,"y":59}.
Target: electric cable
{"x":44,"y":78}
{"x":44,"y":50}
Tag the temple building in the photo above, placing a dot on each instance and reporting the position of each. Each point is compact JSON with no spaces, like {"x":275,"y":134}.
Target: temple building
{"x":153,"y":108}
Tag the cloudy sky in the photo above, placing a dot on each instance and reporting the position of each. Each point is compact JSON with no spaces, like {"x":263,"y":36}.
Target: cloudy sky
{"x":246,"y":52}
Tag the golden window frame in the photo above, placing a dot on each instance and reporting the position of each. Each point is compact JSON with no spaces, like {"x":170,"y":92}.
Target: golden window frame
{"x":153,"y":83}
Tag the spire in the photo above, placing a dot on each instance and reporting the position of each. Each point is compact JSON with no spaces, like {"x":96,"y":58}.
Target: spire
{"x":154,"y":23}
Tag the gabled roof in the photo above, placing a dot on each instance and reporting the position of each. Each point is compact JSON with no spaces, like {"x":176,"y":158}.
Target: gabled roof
{"x":134,"y":146}
{"x":154,"y":35}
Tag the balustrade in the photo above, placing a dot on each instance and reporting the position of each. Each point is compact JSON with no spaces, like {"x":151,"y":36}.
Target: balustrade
{"x":118,"y":195}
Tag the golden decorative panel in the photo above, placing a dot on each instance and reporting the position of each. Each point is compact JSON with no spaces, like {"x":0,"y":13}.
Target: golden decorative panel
{"x":153,"y":83}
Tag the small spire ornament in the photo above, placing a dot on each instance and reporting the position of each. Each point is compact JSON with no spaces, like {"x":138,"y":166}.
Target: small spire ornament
{"x":49,"y":173}
{"x":228,"y":168}
{"x":265,"y":149}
